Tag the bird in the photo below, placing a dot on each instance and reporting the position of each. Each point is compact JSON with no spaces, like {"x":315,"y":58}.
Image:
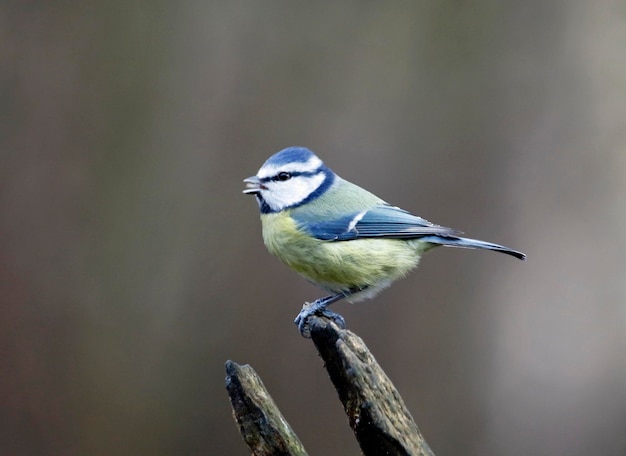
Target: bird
{"x":339,"y":236}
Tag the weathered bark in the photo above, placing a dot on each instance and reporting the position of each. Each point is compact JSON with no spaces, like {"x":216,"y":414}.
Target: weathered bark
{"x":376,"y":412}
{"x":261,"y":424}
{"x":378,"y":416}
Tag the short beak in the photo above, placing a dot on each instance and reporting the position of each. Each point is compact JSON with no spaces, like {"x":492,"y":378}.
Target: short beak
{"x":253,"y":185}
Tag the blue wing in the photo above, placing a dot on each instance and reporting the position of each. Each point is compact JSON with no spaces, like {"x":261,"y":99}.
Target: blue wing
{"x":382,"y":221}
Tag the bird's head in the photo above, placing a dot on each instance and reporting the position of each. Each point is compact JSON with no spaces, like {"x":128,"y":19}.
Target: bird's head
{"x":289,"y":178}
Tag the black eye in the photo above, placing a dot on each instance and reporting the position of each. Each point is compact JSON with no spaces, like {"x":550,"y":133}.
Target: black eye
{"x":283,"y":176}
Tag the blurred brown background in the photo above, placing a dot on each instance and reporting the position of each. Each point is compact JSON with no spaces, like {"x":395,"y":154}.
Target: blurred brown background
{"x":132,"y":267}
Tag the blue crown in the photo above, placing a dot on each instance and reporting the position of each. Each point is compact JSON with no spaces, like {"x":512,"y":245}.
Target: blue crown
{"x":292,"y":154}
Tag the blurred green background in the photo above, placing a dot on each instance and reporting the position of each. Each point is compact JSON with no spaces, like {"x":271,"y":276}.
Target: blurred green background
{"x":132,"y":266}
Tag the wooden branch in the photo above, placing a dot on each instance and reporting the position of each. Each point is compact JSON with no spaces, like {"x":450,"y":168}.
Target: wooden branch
{"x":377,"y":414}
{"x":261,"y":424}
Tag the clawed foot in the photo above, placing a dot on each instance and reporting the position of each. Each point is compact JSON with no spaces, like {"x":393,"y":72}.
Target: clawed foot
{"x":316,"y":308}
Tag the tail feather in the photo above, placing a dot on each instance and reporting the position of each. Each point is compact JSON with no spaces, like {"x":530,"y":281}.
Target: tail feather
{"x":466,"y":243}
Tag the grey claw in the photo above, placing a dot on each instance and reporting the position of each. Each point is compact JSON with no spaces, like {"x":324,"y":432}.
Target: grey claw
{"x":308,"y":309}
{"x":301,"y":320}
{"x":303,"y":326}
{"x":334,"y":316}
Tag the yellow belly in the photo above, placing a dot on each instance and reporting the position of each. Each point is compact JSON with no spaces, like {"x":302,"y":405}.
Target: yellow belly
{"x":339,"y":266}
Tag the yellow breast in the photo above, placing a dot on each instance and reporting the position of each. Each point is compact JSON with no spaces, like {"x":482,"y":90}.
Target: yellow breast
{"x":339,"y":265}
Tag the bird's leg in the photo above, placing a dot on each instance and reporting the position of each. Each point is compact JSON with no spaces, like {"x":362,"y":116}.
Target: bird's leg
{"x":319,"y":307}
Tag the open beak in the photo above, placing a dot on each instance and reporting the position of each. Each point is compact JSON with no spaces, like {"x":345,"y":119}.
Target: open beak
{"x":253,"y":185}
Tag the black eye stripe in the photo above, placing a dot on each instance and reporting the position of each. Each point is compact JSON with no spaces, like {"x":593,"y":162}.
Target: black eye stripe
{"x":291,"y":174}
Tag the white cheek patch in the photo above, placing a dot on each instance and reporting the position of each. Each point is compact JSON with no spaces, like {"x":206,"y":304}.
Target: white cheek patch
{"x":282,"y":194}
{"x":312,"y":164}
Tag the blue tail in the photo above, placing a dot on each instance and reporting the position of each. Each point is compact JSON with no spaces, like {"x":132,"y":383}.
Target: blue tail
{"x":465,"y":243}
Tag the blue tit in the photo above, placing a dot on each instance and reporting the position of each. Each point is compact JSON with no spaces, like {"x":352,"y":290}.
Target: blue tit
{"x":338,"y":235}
